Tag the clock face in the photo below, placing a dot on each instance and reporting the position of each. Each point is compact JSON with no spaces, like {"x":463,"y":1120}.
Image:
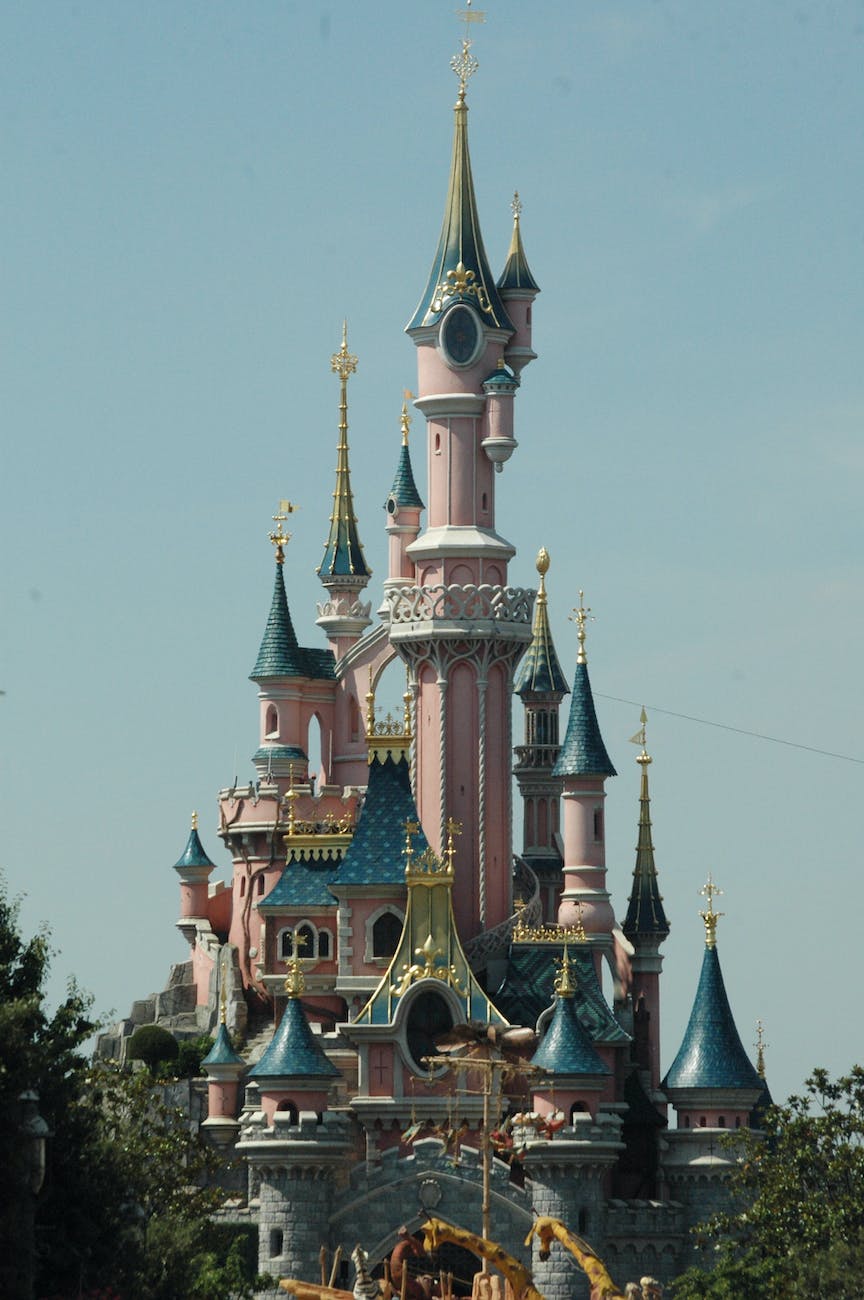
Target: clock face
{"x":460,"y":335}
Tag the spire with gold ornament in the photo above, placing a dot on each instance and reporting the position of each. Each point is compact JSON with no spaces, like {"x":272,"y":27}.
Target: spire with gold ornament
{"x":343,"y":570}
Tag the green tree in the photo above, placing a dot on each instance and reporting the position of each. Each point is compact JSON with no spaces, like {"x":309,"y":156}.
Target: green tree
{"x":126,"y":1208}
{"x":796,"y":1223}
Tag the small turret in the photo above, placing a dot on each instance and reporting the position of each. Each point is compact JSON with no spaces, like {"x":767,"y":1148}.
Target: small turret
{"x":584,"y":765}
{"x":518,"y":289}
{"x":223,"y":1068}
{"x":403,"y":506}
{"x":294,"y":1067}
{"x":343,"y":570}
{"x":193,"y":867}
{"x":576,"y":1073}
{"x":712,"y":1082}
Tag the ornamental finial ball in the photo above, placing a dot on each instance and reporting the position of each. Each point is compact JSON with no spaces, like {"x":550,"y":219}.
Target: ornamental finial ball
{"x":543,"y":561}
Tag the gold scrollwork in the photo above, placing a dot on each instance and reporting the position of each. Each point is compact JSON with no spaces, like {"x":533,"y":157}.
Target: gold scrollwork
{"x":461,"y":283}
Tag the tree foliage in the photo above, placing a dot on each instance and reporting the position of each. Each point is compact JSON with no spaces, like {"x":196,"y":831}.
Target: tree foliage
{"x":152,"y":1044}
{"x":796,"y":1226}
{"x":125,"y":1210}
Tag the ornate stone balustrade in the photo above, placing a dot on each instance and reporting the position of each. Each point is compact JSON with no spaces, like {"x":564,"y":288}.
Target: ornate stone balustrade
{"x":459,"y":604}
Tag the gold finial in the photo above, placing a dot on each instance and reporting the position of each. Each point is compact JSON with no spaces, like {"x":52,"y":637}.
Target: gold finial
{"x":406,"y":700}
{"x":516,"y":207}
{"x":580,"y":616}
{"x":564,"y":985}
{"x":407,"y":396}
{"x":370,"y":708}
{"x":760,"y":1046}
{"x":542,"y":565}
{"x":295,"y":983}
{"x":194,"y":821}
{"x":411,"y":829}
{"x":280,"y":538}
{"x":453,"y":829}
{"x":710,"y":891}
{"x":465,"y":64}
{"x":223,"y":988}
{"x":342,"y":363}
{"x":291,"y":796}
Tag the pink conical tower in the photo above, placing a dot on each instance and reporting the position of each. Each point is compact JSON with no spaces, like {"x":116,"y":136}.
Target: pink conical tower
{"x":462,"y":628}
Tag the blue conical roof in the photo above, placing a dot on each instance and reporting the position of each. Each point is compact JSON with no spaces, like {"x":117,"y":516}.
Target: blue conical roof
{"x":279,"y":655}
{"x":566,"y":1047}
{"x":583,"y":752}
{"x":460,"y":269}
{"x":293,"y":1051}
{"x":404,"y":490}
{"x":712,"y":1055}
{"x":645,"y":912}
{"x":540,"y":673}
{"x":516,"y":276}
{"x":193,"y":855}
{"x":222,"y":1053}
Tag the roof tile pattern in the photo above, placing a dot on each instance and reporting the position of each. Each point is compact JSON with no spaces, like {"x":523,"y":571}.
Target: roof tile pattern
{"x":293,"y":1051}
{"x":583,"y":752}
{"x":711,"y":1055}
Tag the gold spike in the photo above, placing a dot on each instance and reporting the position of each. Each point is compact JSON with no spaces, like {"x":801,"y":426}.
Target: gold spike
{"x":564,"y":985}
{"x":223,"y":990}
{"x":411,"y":829}
{"x":407,"y":396}
{"x":295,"y":983}
{"x":516,"y":207}
{"x":194,"y":821}
{"x":370,"y":709}
{"x":453,"y":829}
{"x":760,"y":1046}
{"x":279,"y":537}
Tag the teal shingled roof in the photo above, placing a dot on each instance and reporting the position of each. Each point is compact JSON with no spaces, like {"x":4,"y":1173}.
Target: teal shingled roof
{"x":516,"y":274}
{"x":528,"y":989}
{"x":645,"y":913}
{"x":583,"y":752}
{"x":461,"y":241}
{"x":303,"y":883}
{"x":280,"y":655}
{"x":222,"y":1053}
{"x":711,"y":1055}
{"x":374,"y":856}
{"x":540,"y":673}
{"x":293,"y":1051}
{"x":193,"y":855}
{"x":404,"y":490}
{"x":566,"y":1047}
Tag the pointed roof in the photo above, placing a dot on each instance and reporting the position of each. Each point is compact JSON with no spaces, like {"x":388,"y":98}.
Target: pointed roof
{"x":583,"y":752}
{"x":712,"y":1054}
{"x":566,"y":1048}
{"x":343,"y":552}
{"x":460,"y":269}
{"x":375,"y":854}
{"x":193,"y":855}
{"x":293,"y":1051}
{"x":404,"y":490}
{"x":516,"y":278}
{"x":528,"y":989}
{"x":645,"y":914}
{"x":279,"y":654}
{"x":222,"y":1053}
{"x":540,"y":673}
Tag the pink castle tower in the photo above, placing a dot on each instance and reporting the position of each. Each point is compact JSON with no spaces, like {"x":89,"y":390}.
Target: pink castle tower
{"x":460,"y":626}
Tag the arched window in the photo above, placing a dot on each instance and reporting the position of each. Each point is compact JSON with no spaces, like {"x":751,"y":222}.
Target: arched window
{"x":721,"y":1121}
{"x":271,"y":726}
{"x":242,"y":886}
{"x":383,"y":934}
{"x":259,"y":884}
{"x":428,"y":1016}
{"x":288,"y":1107}
{"x":305,"y":941}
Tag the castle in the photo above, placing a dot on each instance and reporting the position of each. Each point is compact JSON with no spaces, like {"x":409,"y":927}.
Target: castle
{"x":377,"y":910}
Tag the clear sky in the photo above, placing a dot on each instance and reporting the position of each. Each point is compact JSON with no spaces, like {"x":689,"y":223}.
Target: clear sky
{"x":196,"y":193}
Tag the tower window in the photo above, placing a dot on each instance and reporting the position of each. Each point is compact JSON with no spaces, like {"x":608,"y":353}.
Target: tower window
{"x":275,"y":1242}
{"x":598,"y":823}
{"x":271,"y":726}
{"x":242,"y":886}
{"x":721,"y":1121}
{"x":484,"y":503}
{"x":437,"y":446}
{"x":386,"y":932}
{"x":259,"y":885}
{"x":305,"y":941}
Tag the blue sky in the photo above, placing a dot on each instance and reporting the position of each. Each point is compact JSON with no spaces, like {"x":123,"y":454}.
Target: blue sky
{"x":195,"y":194}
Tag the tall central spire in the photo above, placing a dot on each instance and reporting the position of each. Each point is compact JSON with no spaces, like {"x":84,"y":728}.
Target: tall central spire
{"x":460,"y":269}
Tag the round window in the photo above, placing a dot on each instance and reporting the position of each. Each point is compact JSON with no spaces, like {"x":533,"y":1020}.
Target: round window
{"x":460,"y":335}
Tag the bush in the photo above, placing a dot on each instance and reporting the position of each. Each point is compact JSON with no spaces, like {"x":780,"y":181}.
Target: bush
{"x":190,"y":1055}
{"x":152,"y":1044}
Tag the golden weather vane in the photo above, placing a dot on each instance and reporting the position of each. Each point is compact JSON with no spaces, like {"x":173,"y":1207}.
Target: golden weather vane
{"x":760,"y":1046}
{"x":464,"y":64}
{"x":407,"y":396}
{"x":279,"y":537}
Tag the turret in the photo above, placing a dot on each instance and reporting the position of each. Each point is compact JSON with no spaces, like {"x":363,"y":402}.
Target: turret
{"x":711,"y":1083}
{"x":541,"y":685}
{"x":574,"y":1073}
{"x":403,"y":506}
{"x":343,"y":570}
{"x":646,"y":927}
{"x":518,"y":289}
{"x":223,"y":1068}
{"x":583,"y":764}
{"x":193,"y":867}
